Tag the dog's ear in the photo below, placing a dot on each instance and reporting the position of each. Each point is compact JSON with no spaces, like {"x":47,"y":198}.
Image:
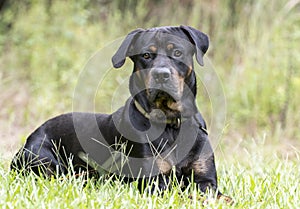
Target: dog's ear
{"x":199,"y":39}
{"x":119,"y":57}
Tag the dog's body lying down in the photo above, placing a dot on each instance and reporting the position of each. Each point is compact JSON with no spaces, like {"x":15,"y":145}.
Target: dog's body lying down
{"x":159,"y":124}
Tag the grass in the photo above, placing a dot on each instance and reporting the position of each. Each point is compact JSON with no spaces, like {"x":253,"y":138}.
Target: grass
{"x":260,"y":179}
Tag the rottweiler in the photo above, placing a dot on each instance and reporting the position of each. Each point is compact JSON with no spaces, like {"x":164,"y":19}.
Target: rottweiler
{"x":158,"y":133}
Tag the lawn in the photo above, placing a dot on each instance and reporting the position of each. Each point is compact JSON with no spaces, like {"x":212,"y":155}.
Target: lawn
{"x":259,"y":180}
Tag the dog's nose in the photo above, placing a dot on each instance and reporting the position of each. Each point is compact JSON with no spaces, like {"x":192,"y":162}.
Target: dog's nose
{"x":161,"y":75}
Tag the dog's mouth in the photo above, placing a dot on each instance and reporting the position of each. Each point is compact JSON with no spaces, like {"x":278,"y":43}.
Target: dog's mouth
{"x":162,"y":100}
{"x":156,"y":95}
{"x":162,"y":94}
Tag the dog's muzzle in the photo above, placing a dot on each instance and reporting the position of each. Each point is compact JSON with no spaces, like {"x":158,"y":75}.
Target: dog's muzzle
{"x":161,"y":75}
{"x":161,"y":86}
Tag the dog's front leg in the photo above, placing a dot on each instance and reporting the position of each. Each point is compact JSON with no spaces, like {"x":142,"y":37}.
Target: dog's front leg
{"x":157,"y":184}
{"x":204,"y":173}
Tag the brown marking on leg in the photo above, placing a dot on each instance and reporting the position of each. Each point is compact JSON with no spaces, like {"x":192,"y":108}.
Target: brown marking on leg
{"x":164,"y":166}
{"x":200,"y":165}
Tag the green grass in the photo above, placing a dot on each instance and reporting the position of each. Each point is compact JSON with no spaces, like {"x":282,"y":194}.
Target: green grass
{"x":259,"y":179}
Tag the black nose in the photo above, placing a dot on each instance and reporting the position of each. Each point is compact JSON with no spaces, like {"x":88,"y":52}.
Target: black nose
{"x":161,"y":75}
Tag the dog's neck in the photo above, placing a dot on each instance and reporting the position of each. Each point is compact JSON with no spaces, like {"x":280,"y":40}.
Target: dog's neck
{"x":175,"y":122}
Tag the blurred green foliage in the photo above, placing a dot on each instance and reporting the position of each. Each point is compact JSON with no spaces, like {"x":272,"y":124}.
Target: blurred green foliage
{"x":254,"y":49}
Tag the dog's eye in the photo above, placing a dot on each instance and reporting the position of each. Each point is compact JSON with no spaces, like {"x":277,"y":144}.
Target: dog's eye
{"x":146,"y":56}
{"x":177,"y":53}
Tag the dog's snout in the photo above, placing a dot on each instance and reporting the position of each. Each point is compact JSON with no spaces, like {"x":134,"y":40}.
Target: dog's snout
{"x":161,"y":75}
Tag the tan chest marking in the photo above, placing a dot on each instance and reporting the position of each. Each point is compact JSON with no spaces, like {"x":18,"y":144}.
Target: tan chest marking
{"x":200,"y":166}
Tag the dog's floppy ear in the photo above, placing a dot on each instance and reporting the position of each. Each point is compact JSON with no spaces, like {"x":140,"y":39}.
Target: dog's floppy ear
{"x":199,"y":39}
{"x":119,"y":58}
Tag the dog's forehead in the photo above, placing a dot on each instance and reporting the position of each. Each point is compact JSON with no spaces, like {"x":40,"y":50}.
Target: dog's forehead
{"x":162,"y":36}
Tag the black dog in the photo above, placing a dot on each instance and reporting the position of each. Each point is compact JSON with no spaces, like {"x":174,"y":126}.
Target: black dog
{"x":160,"y":127}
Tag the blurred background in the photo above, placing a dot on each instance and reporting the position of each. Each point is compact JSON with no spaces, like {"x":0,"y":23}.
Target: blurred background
{"x":254,"y":50}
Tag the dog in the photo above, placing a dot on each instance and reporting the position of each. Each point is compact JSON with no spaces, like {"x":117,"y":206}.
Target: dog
{"x":163,"y":132}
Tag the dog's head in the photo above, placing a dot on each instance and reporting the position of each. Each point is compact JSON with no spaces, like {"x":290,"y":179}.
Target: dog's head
{"x":163,"y":76}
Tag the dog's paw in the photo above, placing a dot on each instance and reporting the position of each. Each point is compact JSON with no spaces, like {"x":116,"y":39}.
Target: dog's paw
{"x":226,"y":199}
{"x":211,"y":200}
